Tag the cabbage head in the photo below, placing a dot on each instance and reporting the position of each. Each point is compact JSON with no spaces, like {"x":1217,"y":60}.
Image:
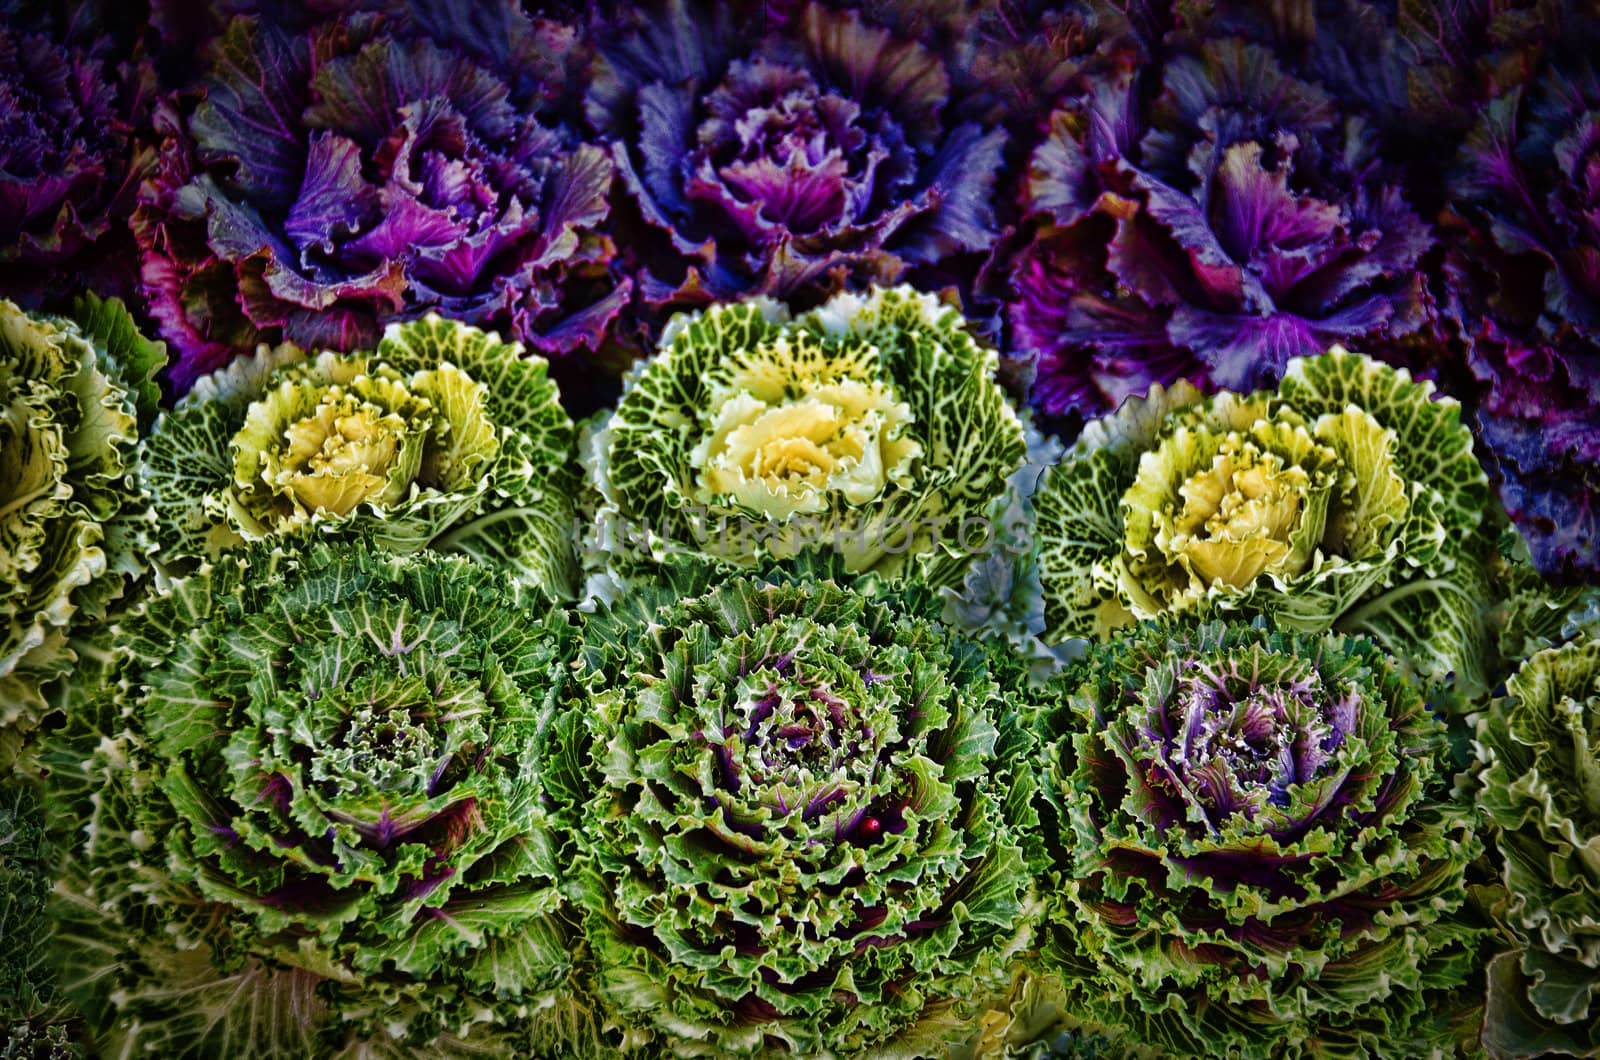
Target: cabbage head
{"x":1342,"y":496}
{"x":872,"y":424}
{"x":73,"y":526}
{"x":1539,"y":787}
{"x":311,"y":818}
{"x":802,"y":813}
{"x":444,"y":437}
{"x":1252,"y":849}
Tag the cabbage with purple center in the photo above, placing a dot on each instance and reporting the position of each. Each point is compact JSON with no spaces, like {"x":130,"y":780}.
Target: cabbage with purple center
{"x":1254,"y":852}
{"x":1209,"y":217}
{"x":1523,"y":275}
{"x":372,"y":167}
{"x":789,"y":165}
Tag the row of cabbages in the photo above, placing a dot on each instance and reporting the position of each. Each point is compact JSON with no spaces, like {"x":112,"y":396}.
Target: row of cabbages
{"x":853,"y":744}
{"x":1126,"y":192}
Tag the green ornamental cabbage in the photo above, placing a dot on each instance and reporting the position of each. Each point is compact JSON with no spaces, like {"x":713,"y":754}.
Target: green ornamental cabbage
{"x":312,"y":817}
{"x":1251,"y":850}
{"x":33,"y":1016}
{"x":443,"y":437}
{"x":803,"y":813}
{"x":1345,"y":494}
{"x":73,"y":393}
{"x":872,"y":424}
{"x":1539,"y":786}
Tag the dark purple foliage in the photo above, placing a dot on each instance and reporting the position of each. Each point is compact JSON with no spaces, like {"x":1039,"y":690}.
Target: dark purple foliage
{"x":1522,"y":284}
{"x":71,"y":102}
{"x":815,"y":157}
{"x":1211,"y":215}
{"x":376,"y":166}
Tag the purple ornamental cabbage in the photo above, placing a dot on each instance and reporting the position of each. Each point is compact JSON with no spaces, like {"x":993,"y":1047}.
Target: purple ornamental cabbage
{"x":814,"y":159}
{"x":1523,"y":273}
{"x":1238,"y":219}
{"x":1253,"y":852}
{"x":69,"y":161}
{"x":364,"y":169}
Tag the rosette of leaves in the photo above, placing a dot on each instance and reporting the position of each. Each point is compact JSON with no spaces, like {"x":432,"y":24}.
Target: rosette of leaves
{"x":787,"y":165}
{"x":803,"y":814}
{"x":73,"y":527}
{"x":1345,"y":496}
{"x":443,"y":437}
{"x":1252,"y":851}
{"x":311,"y":818}
{"x":872,"y":424}
{"x":1522,"y":285}
{"x":1209,"y":214}
{"x":70,"y":160}
{"x":352,"y":168}
{"x":1536,"y":785}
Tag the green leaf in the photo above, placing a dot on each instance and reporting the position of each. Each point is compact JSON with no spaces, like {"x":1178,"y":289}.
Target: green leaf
{"x":72,"y":524}
{"x":134,"y":361}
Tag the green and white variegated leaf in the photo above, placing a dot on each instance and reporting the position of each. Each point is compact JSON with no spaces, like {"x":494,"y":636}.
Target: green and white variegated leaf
{"x":1079,"y":521}
{"x":185,"y":462}
{"x":131,"y":360}
{"x":733,"y":828}
{"x":1438,"y":626}
{"x":482,"y":463}
{"x":1034,"y":1022}
{"x":1252,"y":852}
{"x":1537,"y":779}
{"x":1530,"y":614}
{"x":313,"y":785}
{"x":1001,"y":595}
{"x":1377,"y":492}
{"x":72,"y":523}
{"x":922,"y":438}
{"x":1434,"y":448}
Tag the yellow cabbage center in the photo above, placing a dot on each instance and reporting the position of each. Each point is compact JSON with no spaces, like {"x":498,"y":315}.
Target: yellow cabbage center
{"x":782,"y":454}
{"x":1236,"y":517}
{"x":339,"y":456}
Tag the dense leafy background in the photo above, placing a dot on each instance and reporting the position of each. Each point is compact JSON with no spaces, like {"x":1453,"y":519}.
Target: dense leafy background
{"x":299,"y":294}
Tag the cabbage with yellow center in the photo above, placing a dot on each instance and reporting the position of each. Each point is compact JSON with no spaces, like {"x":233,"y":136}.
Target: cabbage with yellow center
{"x":346,"y":433}
{"x":443,"y":437}
{"x":1348,"y":497}
{"x":871,"y":426}
{"x":782,"y":439}
{"x":1213,"y":511}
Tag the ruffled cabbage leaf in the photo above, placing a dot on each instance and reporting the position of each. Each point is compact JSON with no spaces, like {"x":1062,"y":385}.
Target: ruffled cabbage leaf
{"x":443,"y":437}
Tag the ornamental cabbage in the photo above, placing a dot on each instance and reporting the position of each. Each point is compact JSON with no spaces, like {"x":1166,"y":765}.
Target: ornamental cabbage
{"x":73,"y":527}
{"x":1522,"y":288}
{"x":1251,"y":849}
{"x":1209,"y":227}
{"x":360,"y":169}
{"x":1301,"y":503}
{"x":69,"y":159}
{"x":443,"y":437}
{"x":872,"y":423}
{"x":313,"y":819}
{"x":1537,"y":781}
{"x":802,"y":813}
{"x":791,"y":167}
{"x":32,"y":1014}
